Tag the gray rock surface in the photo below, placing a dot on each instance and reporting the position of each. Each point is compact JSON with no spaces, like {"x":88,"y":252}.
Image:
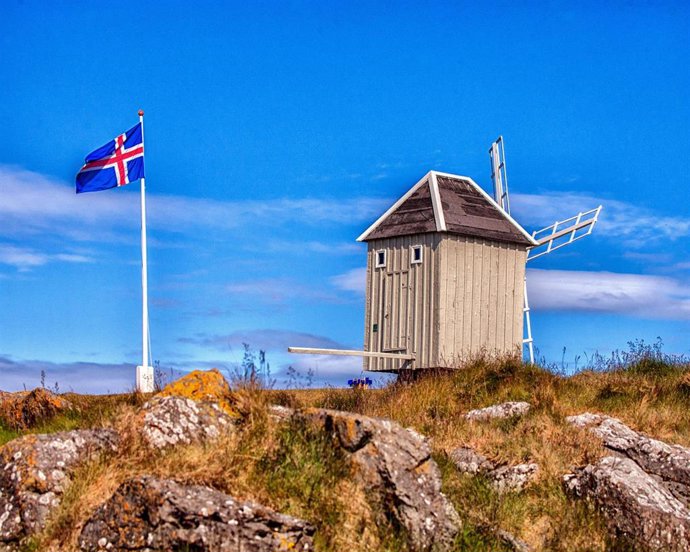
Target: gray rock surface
{"x":36,"y":470}
{"x":637,"y":507}
{"x":669,"y":462}
{"x":513,"y":478}
{"x":504,"y":478}
{"x":498,"y":411}
{"x":150,"y":514}
{"x":642,"y":489}
{"x":395,"y":465}
{"x":172,"y":420}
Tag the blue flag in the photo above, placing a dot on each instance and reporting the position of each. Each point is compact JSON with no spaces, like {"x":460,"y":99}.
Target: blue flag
{"x":119,"y":162}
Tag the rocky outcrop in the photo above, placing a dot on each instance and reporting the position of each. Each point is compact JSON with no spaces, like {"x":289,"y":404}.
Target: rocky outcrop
{"x":169,"y":421}
{"x":636,"y":506}
{"x":149,"y":514}
{"x":23,"y":410}
{"x":671,"y":463}
{"x":395,"y":467}
{"x":36,"y":470}
{"x":498,"y":411}
{"x":503,"y":478}
{"x":642,"y":489}
{"x":196,"y":408}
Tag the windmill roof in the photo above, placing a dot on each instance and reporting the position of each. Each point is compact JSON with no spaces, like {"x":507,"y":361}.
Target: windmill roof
{"x":449,"y":203}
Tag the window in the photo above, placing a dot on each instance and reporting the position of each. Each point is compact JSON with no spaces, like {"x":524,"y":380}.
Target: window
{"x":416,"y":254}
{"x":381,"y":258}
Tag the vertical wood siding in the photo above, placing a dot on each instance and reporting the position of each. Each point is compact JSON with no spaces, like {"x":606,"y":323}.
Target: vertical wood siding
{"x":402,"y":300}
{"x":481,"y":293}
{"x":464,"y":297}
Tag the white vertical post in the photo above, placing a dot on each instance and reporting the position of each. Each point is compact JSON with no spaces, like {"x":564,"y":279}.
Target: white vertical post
{"x":144,"y":373}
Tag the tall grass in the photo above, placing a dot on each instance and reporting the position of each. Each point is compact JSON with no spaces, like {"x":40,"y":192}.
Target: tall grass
{"x":299,"y":472}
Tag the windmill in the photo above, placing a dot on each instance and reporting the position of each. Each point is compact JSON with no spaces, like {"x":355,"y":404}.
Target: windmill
{"x":548,"y":239}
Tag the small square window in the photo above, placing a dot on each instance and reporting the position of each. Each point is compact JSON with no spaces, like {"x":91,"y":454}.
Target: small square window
{"x":381,"y":258}
{"x":416,"y":254}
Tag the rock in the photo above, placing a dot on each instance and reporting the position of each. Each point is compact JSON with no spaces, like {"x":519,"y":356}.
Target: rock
{"x":394,"y":465}
{"x":36,"y":471}
{"x":204,"y":386}
{"x":150,"y":514}
{"x":23,"y":410}
{"x":513,"y":478}
{"x":671,"y":463}
{"x":169,"y":420}
{"x":280,"y":413}
{"x":637,"y":507}
{"x":498,"y":411}
{"x":514,"y":543}
{"x":468,"y":460}
{"x":503,"y":478}
{"x":196,"y":408}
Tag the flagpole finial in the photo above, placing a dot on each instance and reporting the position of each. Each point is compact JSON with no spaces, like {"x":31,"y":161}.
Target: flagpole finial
{"x":141,"y":113}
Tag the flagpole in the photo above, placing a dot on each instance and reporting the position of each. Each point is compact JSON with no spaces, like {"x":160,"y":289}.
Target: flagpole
{"x":145,"y":371}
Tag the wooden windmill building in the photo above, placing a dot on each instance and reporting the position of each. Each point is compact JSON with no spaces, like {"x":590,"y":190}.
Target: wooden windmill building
{"x":445,"y":276}
{"x":446,"y":273}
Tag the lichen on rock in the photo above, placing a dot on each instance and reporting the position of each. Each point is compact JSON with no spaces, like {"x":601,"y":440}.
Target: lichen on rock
{"x":23,"y":410}
{"x":204,"y":386}
{"x":36,"y":470}
{"x":498,"y":411}
{"x":152,"y":514}
{"x":394,"y":466}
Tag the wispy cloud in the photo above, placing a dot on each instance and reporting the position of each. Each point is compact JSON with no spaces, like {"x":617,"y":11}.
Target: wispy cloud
{"x":352,"y":280}
{"x":634,"y":225}
{"x":34,"y":203}
{"x":638,"y":295}
{"x":24,"y":258}
{"x":264,"y":339}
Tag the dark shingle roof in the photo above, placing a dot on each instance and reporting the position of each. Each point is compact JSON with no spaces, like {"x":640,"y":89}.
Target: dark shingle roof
{"x":447,"y":203}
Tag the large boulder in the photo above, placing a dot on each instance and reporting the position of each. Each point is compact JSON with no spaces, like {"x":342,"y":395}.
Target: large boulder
{"x":642,"y":488}
{"x":637,"y":507}
{"x":498,"y":411}
{"x":671,"y":463}
{"x":395,"y":467}
{"x":168,"y":421}
{"x":196,"y":408}
{"x":153,"y":514}
{"x":23,"y":410}
{"x":36,"y":470}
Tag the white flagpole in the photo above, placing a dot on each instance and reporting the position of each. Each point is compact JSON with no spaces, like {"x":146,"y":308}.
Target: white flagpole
{"x":145,"y":371}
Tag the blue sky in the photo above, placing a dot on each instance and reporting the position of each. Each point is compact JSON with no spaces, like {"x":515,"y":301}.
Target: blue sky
{"x":276,"y":132}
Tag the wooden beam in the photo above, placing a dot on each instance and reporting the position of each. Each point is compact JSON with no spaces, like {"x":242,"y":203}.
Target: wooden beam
{"x":348,"y":352}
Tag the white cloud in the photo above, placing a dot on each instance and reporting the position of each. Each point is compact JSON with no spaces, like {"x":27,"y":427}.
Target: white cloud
{"x":352,"y":280}
{"x":25,"y":259}
{"x":637,"y":295}
{"x":34,"y":203}
{"x":633,"y":224}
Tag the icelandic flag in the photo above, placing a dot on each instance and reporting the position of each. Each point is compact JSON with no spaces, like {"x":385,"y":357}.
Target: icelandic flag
{"x":119,"y":162}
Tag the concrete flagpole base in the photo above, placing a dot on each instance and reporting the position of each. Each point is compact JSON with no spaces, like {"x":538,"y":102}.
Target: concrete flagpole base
{"x":145,"y":379}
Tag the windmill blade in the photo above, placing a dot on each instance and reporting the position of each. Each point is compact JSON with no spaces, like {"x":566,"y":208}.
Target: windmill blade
{"x":563,"y":232}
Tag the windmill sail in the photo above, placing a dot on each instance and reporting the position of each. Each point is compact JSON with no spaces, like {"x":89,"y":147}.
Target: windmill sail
{"x":563,"y":232}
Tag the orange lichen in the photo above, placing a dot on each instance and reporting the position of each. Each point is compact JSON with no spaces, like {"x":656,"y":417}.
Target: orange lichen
{"x":204,"y":385}
{"x":24,"y":410}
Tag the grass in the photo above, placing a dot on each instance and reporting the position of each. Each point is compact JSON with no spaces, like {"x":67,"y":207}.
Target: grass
{"x":297,"y":472}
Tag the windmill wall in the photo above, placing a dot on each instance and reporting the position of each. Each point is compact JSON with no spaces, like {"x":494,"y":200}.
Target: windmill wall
{"x":465,"y":296}
{"x":480,"y":298}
